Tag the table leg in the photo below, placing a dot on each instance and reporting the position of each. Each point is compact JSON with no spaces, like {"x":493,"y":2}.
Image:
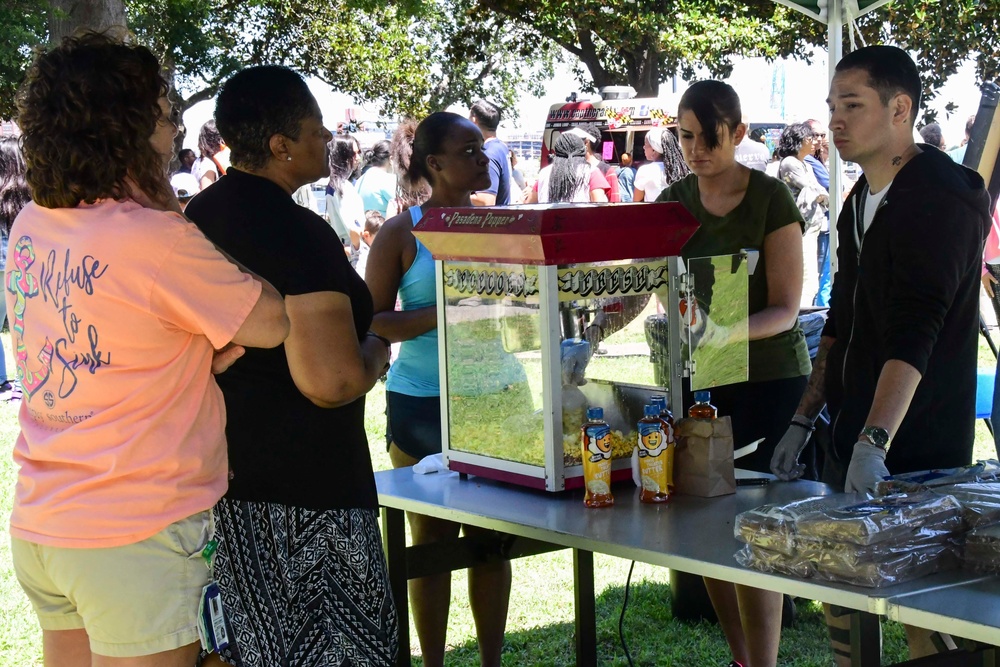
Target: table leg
{"x":394,"y":544}
{"x":866,"y":640}
{"x":586,"y":617}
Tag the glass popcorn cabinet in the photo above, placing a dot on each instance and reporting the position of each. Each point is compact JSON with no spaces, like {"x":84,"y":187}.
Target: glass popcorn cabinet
{"x":545,"y":310}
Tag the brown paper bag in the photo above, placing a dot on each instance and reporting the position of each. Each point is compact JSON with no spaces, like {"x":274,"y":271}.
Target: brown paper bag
{"x":703,"y":462}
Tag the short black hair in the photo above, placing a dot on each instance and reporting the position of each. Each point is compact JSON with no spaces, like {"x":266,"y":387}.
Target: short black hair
{"x":715,"y":104}
{"x":183,"y":152}
{"x":487,"y":115}
{"x":890,"y":70}
{"x":257,"y":103}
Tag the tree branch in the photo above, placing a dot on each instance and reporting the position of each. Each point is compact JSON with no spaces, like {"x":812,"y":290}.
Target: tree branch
{"x":206,"y":93}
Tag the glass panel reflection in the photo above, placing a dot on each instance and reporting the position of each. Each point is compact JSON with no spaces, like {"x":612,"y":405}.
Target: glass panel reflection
{"x":718,"y":324}
{"x":494,"y":361}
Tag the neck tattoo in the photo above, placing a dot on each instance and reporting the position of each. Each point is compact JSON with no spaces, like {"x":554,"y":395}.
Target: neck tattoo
{"x":897,"y":160}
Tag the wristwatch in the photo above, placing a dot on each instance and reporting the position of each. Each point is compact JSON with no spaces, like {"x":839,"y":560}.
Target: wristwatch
{"x":876,"y":436}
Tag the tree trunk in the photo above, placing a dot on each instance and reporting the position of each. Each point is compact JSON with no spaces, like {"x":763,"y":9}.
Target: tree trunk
{"x":68,"y":16}
{"x":646,"y":79}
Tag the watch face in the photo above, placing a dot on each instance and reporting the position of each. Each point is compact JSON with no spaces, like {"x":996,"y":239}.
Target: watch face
{"x":879,"y":436}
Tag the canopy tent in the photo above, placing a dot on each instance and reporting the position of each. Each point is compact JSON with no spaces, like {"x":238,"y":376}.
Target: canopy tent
{"x":822,"y":9}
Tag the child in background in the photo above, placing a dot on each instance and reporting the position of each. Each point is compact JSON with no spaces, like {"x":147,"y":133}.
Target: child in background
{"x":373,"y":223}
{"x":626,"y":177}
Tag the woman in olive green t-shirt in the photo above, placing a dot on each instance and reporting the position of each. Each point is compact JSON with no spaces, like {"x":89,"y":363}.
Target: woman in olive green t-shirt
{"x":741,"y":208}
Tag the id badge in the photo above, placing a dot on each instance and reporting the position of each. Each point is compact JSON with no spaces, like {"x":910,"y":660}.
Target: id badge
{"x":212,"y":627}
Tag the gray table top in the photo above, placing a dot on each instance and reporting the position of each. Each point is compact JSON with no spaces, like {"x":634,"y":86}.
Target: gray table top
{"x":969,"y":609}
{"x":688,"y":534}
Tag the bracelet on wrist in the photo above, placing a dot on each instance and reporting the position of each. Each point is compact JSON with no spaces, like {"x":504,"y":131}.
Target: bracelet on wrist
{"x":807,"y":426}
{"x":388,"y":349}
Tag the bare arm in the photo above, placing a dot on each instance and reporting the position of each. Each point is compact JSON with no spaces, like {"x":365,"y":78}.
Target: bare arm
{"x":483,"y":199}
{"x":391,"y":255}
{"x":530,"y":195}
{"x":206,"y":180}
{"x":783,"y":253}
{"x":267,"y":324}
{"x":392,"y":208}
{"x":814,"y":397}
{"x":327,"y":362}
{"x":896,"y":385}
{"x":638,"y":195}
{"x":258,"y":329}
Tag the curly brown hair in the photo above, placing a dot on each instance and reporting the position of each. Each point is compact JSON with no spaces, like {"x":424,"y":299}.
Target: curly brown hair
{"x":87,"y":110}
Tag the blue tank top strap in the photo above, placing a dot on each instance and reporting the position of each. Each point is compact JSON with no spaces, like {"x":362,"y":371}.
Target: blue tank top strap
{"x":415,"y":370}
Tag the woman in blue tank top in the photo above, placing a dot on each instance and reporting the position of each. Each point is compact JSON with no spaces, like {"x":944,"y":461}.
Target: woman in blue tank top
{"x":448,"y":155}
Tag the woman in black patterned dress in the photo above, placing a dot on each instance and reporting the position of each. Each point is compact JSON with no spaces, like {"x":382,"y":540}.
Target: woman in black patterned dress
{"x":300,"y":561}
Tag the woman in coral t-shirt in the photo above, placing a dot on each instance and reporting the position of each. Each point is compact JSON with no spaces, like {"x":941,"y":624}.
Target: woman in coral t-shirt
{"x":120,"y":310}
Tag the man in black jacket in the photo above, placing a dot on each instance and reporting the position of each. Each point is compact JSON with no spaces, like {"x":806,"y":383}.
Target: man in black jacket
{"x":897,"y":361}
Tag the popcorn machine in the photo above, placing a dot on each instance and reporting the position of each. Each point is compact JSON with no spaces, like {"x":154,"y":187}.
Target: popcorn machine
{"x":545,"y":310}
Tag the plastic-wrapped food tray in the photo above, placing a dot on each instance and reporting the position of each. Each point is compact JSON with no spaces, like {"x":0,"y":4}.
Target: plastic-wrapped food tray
{"x":902,"y":566}
{"x":910,"y":482}
{"x":901,"y":518}
{"x":980,"y":501}
{"x":871,"y":567}
{"x":772,"y":527}
{"x":765,"y":560}
{"x":982,"y":549}
{"x":872,"y":543}
{"x":846,"y":555}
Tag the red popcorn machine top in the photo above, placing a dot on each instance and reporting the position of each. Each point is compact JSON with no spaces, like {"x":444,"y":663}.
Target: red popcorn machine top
{"x":546,"y":310}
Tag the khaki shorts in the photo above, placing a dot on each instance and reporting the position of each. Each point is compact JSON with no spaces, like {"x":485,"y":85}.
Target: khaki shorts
{"x":133,"y":600}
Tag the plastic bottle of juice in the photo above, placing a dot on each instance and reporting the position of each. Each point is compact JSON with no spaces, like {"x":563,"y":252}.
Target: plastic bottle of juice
{"x":702,"y":408}
{"x":596,"y":440}
{"x":660,"y":401}
{"x":667,"y":418}
{"x":654,"y":466}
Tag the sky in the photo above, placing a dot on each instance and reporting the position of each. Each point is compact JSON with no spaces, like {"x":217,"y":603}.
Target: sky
{"x":785,"y":90}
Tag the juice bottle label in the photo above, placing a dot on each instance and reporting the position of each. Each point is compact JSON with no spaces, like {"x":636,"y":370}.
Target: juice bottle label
{"x":655,"y":461}
{"x":597,"y":464}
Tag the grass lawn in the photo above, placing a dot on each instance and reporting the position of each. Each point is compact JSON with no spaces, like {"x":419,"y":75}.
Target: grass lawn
{"x":540,"y":622}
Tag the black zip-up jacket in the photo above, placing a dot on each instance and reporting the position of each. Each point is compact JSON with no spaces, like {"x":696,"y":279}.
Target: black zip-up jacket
{"x":911,"y":292}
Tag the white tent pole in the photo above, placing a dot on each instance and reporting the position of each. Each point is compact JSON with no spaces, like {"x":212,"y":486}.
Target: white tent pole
{"x":835,"y":43}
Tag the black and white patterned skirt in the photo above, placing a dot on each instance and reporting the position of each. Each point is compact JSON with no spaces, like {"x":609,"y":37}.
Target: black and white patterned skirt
{"x":304,"y":588}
